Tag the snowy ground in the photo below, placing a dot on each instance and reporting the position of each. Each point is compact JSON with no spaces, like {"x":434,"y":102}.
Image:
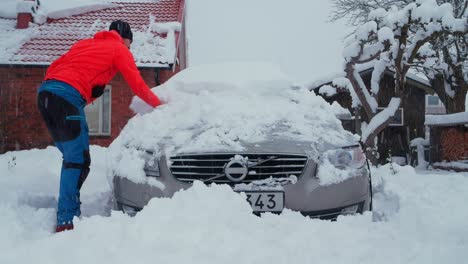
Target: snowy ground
{"x":419,"y":217}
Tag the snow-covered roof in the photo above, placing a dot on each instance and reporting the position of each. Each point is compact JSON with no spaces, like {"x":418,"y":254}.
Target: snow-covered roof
{"x":447,"y":120}
{"x":364,"y":69}
{"x":155,"y":25}
{"x":411,"y":75}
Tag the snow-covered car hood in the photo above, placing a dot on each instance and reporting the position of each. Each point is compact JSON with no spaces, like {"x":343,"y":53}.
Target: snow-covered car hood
{"x":224,"y":107}
{"x":232,"y":107}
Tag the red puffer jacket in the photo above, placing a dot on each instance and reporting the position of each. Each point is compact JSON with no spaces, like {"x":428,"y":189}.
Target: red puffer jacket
{"x":94,"y":62}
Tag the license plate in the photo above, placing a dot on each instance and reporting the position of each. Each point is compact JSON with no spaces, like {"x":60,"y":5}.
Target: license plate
{"x":266,"y":201}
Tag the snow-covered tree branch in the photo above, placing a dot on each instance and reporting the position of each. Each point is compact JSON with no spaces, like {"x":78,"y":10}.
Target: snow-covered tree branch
{"x":356,"y":11}
{"x":435,"y":29}
{"x":395,"y":39}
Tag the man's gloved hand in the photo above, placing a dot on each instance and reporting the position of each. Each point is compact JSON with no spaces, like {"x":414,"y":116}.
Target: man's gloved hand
{"x":97,"y":91}
{"x":140,"y":107}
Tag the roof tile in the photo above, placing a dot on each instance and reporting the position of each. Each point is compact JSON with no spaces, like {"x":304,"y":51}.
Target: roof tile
{"x":58,"y":35}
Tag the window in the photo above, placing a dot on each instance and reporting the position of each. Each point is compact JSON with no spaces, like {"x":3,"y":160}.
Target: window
{"x":398,"y":119}
{"x":98,"y":114}
{"x":433,"y":100}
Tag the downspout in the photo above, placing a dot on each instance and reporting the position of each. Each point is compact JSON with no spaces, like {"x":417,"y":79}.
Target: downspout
{"x":156,"y":77}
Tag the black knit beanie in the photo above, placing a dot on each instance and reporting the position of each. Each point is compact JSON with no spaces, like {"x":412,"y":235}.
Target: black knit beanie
{"x":123,"y":28}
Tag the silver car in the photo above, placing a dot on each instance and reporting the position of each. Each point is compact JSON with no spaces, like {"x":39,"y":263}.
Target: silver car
{"x":275,"y":174}
{"x":248,"y":126}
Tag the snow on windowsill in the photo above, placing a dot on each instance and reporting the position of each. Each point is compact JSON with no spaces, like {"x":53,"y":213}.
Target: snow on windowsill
{"x":452,"y":165}
{"x":450,"y":119}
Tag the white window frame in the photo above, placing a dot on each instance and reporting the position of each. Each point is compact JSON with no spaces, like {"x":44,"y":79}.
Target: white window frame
{"x":101,"y":113}
{"x":402,"y":116}
{"x":427,"y":101}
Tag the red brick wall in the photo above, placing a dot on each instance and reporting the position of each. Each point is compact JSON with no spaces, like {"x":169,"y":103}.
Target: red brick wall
{"x":20,"y":123}
{"x":165,"y":75}
{"x":21,"y":126}
{"x":454,"y":143}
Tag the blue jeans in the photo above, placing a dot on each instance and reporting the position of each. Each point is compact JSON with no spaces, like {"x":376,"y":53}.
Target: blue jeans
{"x":62,"y":109}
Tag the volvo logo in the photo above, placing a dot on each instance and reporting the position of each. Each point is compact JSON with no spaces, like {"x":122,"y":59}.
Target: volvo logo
{"x":236,"y":170}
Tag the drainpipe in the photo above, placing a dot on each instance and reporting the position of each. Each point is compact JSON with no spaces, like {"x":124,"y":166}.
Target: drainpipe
{"x":156,"y":76}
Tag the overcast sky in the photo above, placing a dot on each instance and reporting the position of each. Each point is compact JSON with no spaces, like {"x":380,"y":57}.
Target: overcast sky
{"x":294,"y":34}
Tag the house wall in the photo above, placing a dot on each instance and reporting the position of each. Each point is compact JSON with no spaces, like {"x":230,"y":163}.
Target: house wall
{"x":395,"y":140}
{"x":165,"y":75}
{"x":21,"y":126}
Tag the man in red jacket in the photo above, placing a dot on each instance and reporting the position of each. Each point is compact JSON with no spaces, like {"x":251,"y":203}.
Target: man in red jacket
{"x":74,"y":80}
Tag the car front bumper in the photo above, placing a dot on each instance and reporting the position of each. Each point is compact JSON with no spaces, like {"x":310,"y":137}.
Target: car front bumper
{"x":306,"y":195}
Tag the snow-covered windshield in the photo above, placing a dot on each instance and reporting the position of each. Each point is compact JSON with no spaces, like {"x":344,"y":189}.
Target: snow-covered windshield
{"x":221,"y":107}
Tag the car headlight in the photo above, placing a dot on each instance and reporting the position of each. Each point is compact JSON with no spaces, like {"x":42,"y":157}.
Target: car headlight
{"x":348,"y":157}
{"x":152,"y":168}
{"x":350,"y":210}
{"x":129,"y":210}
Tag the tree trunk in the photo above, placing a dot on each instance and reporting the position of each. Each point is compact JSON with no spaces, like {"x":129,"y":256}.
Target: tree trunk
{"x":455,"y":104}
{"x":357,"y":89}
{"x":372,"y":155}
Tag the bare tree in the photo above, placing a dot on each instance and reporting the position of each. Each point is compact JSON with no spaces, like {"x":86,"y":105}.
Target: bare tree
{"x":394,"y":39}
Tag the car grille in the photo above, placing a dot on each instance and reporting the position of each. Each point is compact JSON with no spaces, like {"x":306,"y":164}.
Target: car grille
{"x":187,"y":168}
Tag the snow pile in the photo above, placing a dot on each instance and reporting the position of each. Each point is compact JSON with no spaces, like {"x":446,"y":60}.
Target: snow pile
{"x":224,"y":106}
{"x":415,"y":213}
{"x":30,"y":178}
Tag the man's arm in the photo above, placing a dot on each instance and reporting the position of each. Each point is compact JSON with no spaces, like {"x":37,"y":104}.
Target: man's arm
{"x":126,"y":65}
{"x":55,"y":64}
